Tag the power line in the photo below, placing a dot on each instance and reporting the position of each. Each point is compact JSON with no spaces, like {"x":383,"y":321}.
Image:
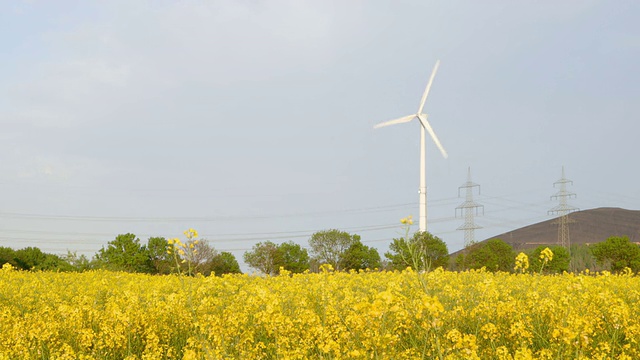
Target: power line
{"x":195,"y":219}
{"x":213,"y":238}
{"x":501,"y":222}
{"x":526,"y":206}
{"x":221,"y":239}
{"x":55,"y":233}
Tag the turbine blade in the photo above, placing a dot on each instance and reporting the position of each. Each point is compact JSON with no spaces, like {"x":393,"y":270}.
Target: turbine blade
{"x":426,"y":91}
{"x":395,"y":121}
{"x":425,"y":123}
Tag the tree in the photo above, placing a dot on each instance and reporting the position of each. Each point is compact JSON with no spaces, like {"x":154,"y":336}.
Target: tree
{"x":78,"y":263}
{"x":53,"y":262}
{"x":329,"y":246}
{"x":7,"y":255}
{"x":29,"y":257}
{"x":224,"y":263}
{"x":293,"y":257}
{"x":268,"y":257}
{"x":157,"y":252}
{"x":582,"y":258}
{"x":32,"y":258}
{"x":264,"y":257}
{"x":423,"y":251}
{"x":359,"y":257}
{"x":207,"y":261}
{"x":559,"y":263}
{"x":619,"y":252}
{"x":125,"y":253}
{"x":494,"y":255}
{"x":202,"y":257}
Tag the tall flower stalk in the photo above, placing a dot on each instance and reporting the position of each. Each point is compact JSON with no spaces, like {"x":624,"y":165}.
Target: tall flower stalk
{"x":546,"y":256}
{"x":184,"y":253}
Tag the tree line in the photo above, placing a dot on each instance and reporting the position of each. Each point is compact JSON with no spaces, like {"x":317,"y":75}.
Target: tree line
{"x":341,"y":250}
{"x":615,"y":254}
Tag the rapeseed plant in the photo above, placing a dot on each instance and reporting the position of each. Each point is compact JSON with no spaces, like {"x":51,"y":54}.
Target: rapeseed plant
{"x":522,"y":262}
{"x":546,"y":256}
{"x":184,"y":253}
{"x":359,"y":315}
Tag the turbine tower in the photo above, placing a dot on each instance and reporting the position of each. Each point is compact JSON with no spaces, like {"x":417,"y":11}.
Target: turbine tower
{"x":469,"y":208}
{"x":424,"y":125}
{"x":563,"y":209}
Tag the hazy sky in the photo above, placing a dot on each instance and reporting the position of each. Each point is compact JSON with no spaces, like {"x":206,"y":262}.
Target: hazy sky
{"x":252,"y":120}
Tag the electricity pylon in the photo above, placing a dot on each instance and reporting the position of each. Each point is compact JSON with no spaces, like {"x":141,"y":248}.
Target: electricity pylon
{"x":563,"y":209}
{"x":469,"y":208}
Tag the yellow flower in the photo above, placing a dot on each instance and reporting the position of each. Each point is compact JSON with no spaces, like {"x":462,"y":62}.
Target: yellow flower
{"x":325,"y":268}
{"x":442,"y":314}
{"x":546,"y":255}
{"x":489,"y":331}
{"x":191,"y":233}
{"x":522,"y":262}
{"x":407,"y":221}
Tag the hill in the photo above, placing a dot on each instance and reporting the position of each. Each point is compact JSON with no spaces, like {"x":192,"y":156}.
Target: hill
{"x":587,"y":227}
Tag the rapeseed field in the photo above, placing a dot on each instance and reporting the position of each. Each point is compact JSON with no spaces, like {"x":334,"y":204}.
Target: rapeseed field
{"x":326,"y":315}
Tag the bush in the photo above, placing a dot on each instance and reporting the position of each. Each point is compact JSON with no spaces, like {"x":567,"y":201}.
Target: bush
{"x":423,"y":251}
{"x":619,"y":252}
{"x":494,"y":255}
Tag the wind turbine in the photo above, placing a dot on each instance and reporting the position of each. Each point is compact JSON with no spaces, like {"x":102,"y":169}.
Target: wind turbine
{"x":424,"y":124}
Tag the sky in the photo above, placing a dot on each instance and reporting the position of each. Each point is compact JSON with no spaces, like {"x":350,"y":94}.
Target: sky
{"x":253,"y":120}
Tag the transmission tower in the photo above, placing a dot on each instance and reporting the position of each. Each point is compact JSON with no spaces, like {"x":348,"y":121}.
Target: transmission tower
{"x":563,"y":210}
{"x":469,"y":208}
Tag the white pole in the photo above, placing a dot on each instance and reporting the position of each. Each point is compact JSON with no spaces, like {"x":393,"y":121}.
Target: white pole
{"x":423,"y":181}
